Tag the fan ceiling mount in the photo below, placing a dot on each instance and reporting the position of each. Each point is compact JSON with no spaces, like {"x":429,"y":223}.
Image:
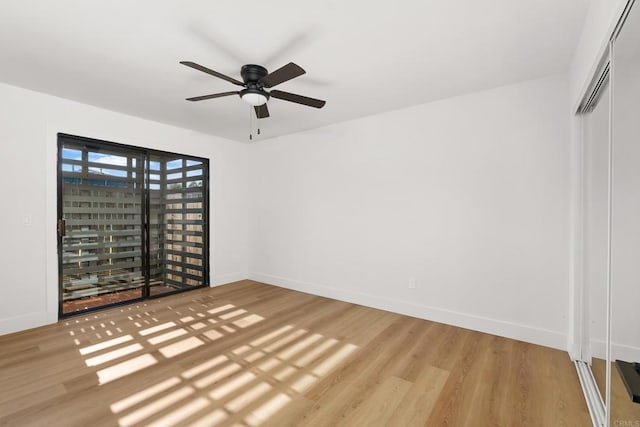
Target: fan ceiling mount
{"x":255,"y":78}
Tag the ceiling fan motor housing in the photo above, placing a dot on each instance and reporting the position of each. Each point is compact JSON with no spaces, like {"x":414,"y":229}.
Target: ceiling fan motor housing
{"x":251,"y":73}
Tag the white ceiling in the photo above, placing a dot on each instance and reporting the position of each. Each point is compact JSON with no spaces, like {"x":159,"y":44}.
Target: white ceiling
{"x":362,"y":56}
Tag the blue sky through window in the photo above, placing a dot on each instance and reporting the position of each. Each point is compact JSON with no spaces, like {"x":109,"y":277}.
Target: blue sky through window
{"x":70,"y":154}
{"x":173,"y":164}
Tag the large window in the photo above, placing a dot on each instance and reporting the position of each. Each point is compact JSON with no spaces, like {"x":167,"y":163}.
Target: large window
{"x":132,"y":223}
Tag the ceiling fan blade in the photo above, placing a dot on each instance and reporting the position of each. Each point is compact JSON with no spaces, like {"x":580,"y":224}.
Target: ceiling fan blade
{"x":262,"y":112}
{"x":214,"y":95}
{"x":281,"y":75}
{"x":298,"y":99}
{"x":211,"y":72}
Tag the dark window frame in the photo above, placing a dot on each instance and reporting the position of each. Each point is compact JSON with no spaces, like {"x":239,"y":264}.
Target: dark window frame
{"x":147,"y":154}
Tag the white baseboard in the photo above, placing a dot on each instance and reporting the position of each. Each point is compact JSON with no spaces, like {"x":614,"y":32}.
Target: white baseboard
{"x":24,"y":322}
{"x":625,"y":352}
{"x":501,"y":328}
{"x":619,"y":351}
{"x":223,"y":279}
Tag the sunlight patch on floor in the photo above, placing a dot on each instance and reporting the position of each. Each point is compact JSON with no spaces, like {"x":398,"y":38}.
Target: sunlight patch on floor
{"x":181,"y":347}
{"x":154,"y":407}
{"x":299,"y":346}
{"x":267,"y":410}
{"x":112,"y":355}
{"x":157,"y":328}
{"x":143,"y":395}
{"x":205,"y":366}
{"x":304,"y":383}
{"x":227,"y":328}
{"x":247,"y":321}
{"x":185,"y":411}
{"x":105,"y":344}
{"x":235,"y":313}
{"x":285,"y":373}
{"x":327,"y":365}
{"x":240,"y":350}
{"x":285,"y":340}
{"x":212,"y":419}
{"x":231,"y":386}
{"x":222,"y":308}
{"x":218,"y":375}
{"x":197,"y":326}
{"x":247,"y":397}
{"x":269,"y":364}
{"x":167,"y":336}
{"x":316,"y":352}
{"x":258,"y":342}
{"x":231,"y":391}
{"x":253,"y":380}
{"x":125,"y":368}
{"x":254,"y":356}
{"x":213,"y":334}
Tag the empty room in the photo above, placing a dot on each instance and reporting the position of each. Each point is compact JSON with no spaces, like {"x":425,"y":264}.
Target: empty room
{"x":340,"y":213}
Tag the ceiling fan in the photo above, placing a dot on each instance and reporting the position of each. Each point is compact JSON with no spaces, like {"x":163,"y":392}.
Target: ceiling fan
{"x":256,"y":79}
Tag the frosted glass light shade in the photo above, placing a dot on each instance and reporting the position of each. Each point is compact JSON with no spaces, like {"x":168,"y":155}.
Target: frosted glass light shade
{"x":254,"y":99}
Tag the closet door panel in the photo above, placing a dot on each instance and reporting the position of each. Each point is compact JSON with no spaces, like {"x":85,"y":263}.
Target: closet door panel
{"x":625,"y":309}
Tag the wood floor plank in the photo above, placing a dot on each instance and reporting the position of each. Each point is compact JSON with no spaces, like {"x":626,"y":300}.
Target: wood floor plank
{"x":381,"y":403}
{"x":418,"y":402}
{"x":253,"y":354}
{"x":453,"y":406}
{"x":288,"y":416}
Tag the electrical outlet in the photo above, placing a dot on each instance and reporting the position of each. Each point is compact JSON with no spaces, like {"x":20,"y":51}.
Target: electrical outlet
{"x":412,"y":282}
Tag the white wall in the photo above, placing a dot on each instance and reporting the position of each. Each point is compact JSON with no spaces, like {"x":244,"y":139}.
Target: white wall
{"x":29,"y":122}
{"x":469,"y":196}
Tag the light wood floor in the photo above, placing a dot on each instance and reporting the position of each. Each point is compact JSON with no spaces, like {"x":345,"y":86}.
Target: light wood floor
{"x":253,"y":354}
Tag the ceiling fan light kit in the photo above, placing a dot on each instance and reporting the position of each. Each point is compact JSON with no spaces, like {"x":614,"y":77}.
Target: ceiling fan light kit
{"x":255,"y":79}
{"x":254,"y":97}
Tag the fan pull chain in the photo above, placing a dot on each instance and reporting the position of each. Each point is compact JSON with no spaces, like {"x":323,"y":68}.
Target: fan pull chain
{"x":250,"y":127}
{"x":254,"y":120}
